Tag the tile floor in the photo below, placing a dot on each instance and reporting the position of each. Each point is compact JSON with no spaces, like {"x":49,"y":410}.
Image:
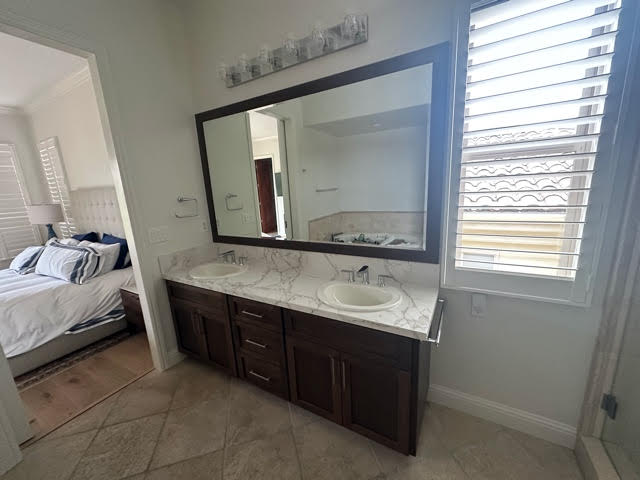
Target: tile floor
{"x":194,"y":423}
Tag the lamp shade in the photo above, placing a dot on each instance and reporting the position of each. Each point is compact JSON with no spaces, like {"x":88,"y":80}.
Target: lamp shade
{"x":45,"y":213}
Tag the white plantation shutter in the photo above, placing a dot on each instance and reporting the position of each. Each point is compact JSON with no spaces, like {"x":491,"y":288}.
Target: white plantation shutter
{"x":536,"y":87}
{"x":16,"y":233}
{"x":55,"y":177}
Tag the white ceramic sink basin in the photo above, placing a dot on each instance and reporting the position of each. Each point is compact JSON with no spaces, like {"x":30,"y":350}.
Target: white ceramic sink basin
{"x":358,"y":297}
{"x":216,"y":270}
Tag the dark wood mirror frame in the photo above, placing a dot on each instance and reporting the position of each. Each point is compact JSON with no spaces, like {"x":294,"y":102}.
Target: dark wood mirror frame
{"x":437,"y":55}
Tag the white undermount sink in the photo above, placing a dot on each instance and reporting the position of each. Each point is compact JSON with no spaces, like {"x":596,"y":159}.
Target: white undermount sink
{"x":216,"y":270}
{"x":358,"y":297}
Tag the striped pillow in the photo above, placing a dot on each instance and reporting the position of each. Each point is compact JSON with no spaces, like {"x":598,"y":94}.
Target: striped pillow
{"x":26,"y":260}
{"x":73,"y":264}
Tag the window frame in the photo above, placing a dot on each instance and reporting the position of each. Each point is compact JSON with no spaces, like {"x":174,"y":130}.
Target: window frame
{"x":24,"y":189}
{"x":578,"y":291}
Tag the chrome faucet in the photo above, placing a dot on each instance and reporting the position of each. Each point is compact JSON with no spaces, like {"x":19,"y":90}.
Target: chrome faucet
{"x":225,"y":256}
{"x":363,"y":273}
{"x":351,"y":275}
{"x":382,"y":279}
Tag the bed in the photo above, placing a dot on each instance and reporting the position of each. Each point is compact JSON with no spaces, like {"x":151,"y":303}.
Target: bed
{"x":43,"y":318}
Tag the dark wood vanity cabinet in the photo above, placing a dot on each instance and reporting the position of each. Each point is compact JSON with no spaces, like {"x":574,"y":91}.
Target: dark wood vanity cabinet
{"x":369,"y":381}
{"x":364,"y":379}
{"x":201,"y":321}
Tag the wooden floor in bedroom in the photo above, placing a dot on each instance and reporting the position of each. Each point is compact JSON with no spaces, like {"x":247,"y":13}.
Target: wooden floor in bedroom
{"x":64,"y":395}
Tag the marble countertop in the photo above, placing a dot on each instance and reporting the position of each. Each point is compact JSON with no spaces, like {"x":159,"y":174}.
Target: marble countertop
{"x":296,"y":290}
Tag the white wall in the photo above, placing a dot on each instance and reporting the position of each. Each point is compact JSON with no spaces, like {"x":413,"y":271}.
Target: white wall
{"x":14,"y":128}
{"x":525,"y":355}
{"x":72,"y":116}
{"x":140,"y":54}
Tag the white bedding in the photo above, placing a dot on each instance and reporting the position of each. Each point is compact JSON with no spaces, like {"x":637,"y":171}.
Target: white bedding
{"x":35,"y":309}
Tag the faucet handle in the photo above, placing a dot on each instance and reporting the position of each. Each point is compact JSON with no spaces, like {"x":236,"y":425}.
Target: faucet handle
{"x":242,"y":260}
{"x":382,"y":278}
{"x":351,"y":275}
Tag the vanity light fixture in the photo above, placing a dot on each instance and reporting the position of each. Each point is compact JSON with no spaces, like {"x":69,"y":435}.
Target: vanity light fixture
{"x":353,"y":30}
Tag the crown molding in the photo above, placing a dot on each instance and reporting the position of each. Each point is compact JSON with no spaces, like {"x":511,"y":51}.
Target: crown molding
{"x":7,"y":110}
{"x":58,"y":89}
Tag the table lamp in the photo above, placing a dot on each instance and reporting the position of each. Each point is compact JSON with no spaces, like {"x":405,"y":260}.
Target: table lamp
{"x":46,"y":214}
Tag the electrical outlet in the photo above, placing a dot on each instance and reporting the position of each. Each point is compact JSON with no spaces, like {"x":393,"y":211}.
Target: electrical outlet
{"x":205,"y":226}
{"x":159,"y":234}
{"x":246,"y":218}
{"x":478,"y":305}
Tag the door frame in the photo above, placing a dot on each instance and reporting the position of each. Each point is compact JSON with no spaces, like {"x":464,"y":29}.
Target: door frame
{"x":102,"y":78}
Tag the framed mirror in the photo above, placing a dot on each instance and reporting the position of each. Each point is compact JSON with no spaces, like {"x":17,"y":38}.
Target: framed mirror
{"x":350,"y":164}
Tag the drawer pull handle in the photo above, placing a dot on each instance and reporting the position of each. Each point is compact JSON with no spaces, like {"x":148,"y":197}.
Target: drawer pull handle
{"x":261,"y":377}
{"x":344,"y":377}
{"x":255,"y":344}
{"x":256,"y":315}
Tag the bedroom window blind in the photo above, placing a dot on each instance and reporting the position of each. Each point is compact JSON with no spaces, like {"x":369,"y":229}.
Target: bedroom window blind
{"x":16,"y":233}
{"x":56,"y":179}
{"x":536,"y":88}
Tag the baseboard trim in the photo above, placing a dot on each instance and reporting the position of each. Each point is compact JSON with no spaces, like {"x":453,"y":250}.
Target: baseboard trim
{"x":536,"y":425}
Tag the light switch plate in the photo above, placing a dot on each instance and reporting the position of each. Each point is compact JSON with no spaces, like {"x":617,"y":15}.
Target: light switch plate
{"x":159,"y":234}
{"x":478,"y":305}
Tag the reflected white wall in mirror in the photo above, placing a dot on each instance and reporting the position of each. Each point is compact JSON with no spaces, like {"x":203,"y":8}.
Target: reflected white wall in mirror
{"x":344,"y":165}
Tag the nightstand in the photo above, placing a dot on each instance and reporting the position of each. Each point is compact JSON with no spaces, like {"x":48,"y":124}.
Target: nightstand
{"x":132,"y":309}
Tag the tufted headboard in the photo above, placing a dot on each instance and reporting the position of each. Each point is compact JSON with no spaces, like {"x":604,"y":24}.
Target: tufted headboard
{"x":96,"y":210}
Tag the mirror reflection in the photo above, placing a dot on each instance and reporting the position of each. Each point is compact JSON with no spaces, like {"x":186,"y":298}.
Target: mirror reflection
{"x":345,"y":165}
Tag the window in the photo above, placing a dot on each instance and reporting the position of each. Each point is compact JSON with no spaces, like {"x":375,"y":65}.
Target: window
{"x":536,"y":102}
{"x":16,"y":233}
{"x":55,"y":177}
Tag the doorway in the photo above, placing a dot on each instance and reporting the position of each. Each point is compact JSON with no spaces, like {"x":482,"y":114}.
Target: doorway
{"x":122,"y":356}
{"x":266,"y":196}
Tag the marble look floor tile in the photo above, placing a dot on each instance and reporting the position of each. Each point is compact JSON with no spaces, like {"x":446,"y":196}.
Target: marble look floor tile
{"x":455,"y":428}
{"x":192,"y":431}
{"x":120,"y":450}
{"x":148,"y":396}
{"x":263,"y":459}
{"x":328,"y":452}
{"x":206,"y":467}
{"x":559,"y":462}
{"x":501,"y":454}
{"x":55,"y":458}
{"x":432,"y":460}
{"x":198,"y":383}
{"x":255,"y":414}
{"x":89,"y":420}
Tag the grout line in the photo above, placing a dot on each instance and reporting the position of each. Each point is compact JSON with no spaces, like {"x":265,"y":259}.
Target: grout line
{"x":155,"y":446}
{"x":295,"y":448}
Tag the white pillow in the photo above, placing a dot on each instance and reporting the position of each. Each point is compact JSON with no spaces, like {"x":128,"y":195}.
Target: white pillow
{"x":73,"y":264}
{"x":63,"y":241}
{"x":25,"y":261}
{"x":109,"y":254}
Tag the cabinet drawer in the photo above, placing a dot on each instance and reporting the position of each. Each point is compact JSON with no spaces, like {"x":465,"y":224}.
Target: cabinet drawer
{"x":204,"y":298}
{"x":265,"y":375}
{"x":267,"y":316}
{"x":383,"y":347}
{"x":258,"y":341}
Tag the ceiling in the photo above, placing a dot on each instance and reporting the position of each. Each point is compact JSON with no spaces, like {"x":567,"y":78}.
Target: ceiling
{"x":29,"y":68}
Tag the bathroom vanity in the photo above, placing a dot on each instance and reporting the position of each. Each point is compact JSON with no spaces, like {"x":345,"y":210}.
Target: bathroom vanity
{"x":367,"y":371}
{"x":351,"y":164}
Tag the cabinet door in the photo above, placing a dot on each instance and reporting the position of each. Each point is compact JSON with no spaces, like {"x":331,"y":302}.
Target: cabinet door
{"x":189,"y":331}
{"x":376,"y":402}
{"x":217,"y":330}
{"x":314,"y":378}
